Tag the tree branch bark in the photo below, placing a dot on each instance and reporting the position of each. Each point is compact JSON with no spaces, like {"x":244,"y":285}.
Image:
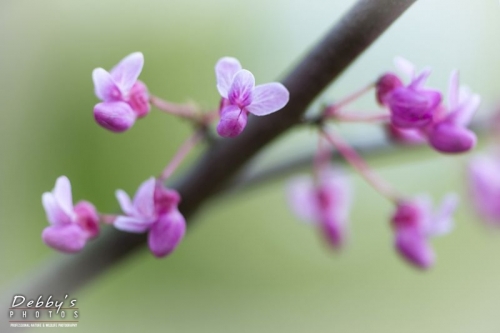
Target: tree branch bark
{"x":215,"y":170}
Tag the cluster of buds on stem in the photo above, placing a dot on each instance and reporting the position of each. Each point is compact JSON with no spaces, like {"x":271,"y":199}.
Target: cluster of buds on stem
{"x":154,"y":208}
{"x":415,"y":114}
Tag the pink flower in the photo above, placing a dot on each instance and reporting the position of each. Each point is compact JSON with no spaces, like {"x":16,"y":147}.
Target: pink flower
{"x":448,"y":132}
{"x":415,"y":223}
{"x":325,"y":203}
{"x":124,"y":98}
{"x":484,"y":185}
{"x":240,"y":96}
{"x":411,"y":106}
{"x":71,"y":227}
{"x":153,"y":210}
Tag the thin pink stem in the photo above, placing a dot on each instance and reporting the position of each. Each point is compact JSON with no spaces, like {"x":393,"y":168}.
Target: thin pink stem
{"x":358,"y":163}
{"x":187,"y":111}
{"x":332,"y":109}
{"x":107,"y":218}
{"x":186,"y":147}
{"x":359,"y":118}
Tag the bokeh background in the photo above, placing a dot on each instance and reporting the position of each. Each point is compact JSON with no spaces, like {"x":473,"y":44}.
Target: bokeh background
{"x":247,"y":265}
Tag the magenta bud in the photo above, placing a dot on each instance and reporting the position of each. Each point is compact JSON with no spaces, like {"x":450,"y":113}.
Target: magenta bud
{"x":139,"y":99}
{"x":114,"y":116}
{"x":385,"y":85}
{"x":450,"y":138}
{"x":87,"y":218}
{"x":165,"y":199}
{"x":412,"y":108}
{"x":232,"y":121}
{"x":414,"y":248}
{"x":333,"y":231}
{"x":165,"y":235}
{"x":407,"y":215}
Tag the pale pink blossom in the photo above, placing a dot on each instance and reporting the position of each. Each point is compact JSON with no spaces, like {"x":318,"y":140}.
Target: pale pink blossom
{"x":124,"y":98}
{"x":415,"y":223}
{"x":240,"y":96}
{"x":324,"y":202}
{"x":153,"y":210}
{"x":70,"y":226}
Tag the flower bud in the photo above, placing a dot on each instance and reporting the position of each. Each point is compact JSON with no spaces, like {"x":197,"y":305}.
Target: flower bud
{"x":385,"y":85}
{"x":114,"y":116}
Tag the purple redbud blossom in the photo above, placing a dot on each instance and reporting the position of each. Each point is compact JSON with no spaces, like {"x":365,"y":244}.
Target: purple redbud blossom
{"x":415,"y":223}
{"x":153,"y":210}
{"x":71,"y":226}
{"x":240,"y":96}
{"x":484,"y":186}
{"x":448,"y":132}
{"x":326,"y":203}
{"x":124,"y":98}
{"x":411,"y":106}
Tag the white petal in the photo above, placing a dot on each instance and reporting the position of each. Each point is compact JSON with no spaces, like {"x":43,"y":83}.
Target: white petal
{"x":225,"y":70}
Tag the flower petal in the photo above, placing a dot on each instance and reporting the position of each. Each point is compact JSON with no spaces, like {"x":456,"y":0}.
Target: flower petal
{"x":453,"y":91}
{"x":225,"y":70}
{"x":144,"y":202}
{"x":105,"y":87}
{"x":442,"y":221}
{"x":232,"y":121}
{"x":55,"y":214}
{"x":125,"y":202}
{"x":465,"y":111}
{"x":450,"y":138}
{"x":302,"y":200}
{"x":62,"y":193}
{"x":419,"y":81}
{"x":412,"y":108}
{"x":167,"y":233}
{"x":405,"y":66}
{"x":414,"y":248}
{"x":66,"y":238}
{"x":334,"y":231}
{"x":87,"y":218}
{"x":240,"y":93}
{"x":484,"y":185}
{"x":114,"y":116}
{"x":268,"y":98}
{"x":132,"y":224}
{"x":126,"y":73}
{"x":335,"y":184}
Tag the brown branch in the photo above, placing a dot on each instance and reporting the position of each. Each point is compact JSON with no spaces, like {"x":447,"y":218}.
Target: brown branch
{"x":215,"y":170}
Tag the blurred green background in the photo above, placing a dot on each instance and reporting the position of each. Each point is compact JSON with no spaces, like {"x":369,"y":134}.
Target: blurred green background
{"x":248,"y":265}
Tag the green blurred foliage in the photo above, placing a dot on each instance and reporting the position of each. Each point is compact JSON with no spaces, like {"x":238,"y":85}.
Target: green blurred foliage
{"x":247,"y":266}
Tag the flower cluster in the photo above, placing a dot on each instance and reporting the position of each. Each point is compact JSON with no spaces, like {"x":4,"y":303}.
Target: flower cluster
{"x":416,"y":115}
{"x":154,"y":209}
{"x":417,"y":112}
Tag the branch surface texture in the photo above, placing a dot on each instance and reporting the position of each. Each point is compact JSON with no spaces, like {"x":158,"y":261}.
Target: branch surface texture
{"x":217,"y":167}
